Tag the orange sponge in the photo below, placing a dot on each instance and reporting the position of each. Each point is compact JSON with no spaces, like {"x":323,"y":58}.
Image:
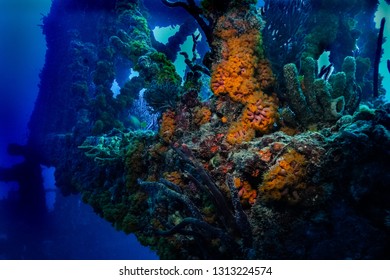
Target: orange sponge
{"x":168,"y":125}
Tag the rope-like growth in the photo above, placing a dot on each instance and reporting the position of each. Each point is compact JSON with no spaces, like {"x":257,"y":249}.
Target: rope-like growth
{"x":205,"y":179}
{"x":241,"y":218}
{"x":162,"y":187}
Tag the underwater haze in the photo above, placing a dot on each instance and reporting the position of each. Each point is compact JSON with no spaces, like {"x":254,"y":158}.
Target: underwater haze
{"x":148,"y":129}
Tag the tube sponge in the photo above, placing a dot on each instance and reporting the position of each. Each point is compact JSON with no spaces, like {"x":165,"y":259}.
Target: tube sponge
{"x":313,"y":100}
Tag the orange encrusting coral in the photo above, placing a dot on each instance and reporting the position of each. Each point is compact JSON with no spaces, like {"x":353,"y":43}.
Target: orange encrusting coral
{"x":239,"y":132}
{"x":260,"y":112}
{"x":243,"y":75}
{"x":224,"y":119}
{"x":202,"y":115}
{"x":235,"y":75}
{"x":245,"y":191}
{"x":168,"y":125}
{"x":285,"y":178}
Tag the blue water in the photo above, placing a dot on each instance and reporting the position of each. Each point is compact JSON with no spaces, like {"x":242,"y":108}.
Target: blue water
{"x":77,"y":233}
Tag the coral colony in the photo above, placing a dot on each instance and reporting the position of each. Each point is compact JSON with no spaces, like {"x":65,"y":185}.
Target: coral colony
{"x":283,"y":160}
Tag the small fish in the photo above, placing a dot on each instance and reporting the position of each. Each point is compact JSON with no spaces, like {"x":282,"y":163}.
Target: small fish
{"x":262,"y":11}
{"x":388,"y":65}
{"x":143,"y":125}
{"x":326,"y":71}
{"x":356,"y":52}
{"x":322,"y":71}
{"x":301,"y":79}
{"x":197,"y":37}
{"x":134,"y":122}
